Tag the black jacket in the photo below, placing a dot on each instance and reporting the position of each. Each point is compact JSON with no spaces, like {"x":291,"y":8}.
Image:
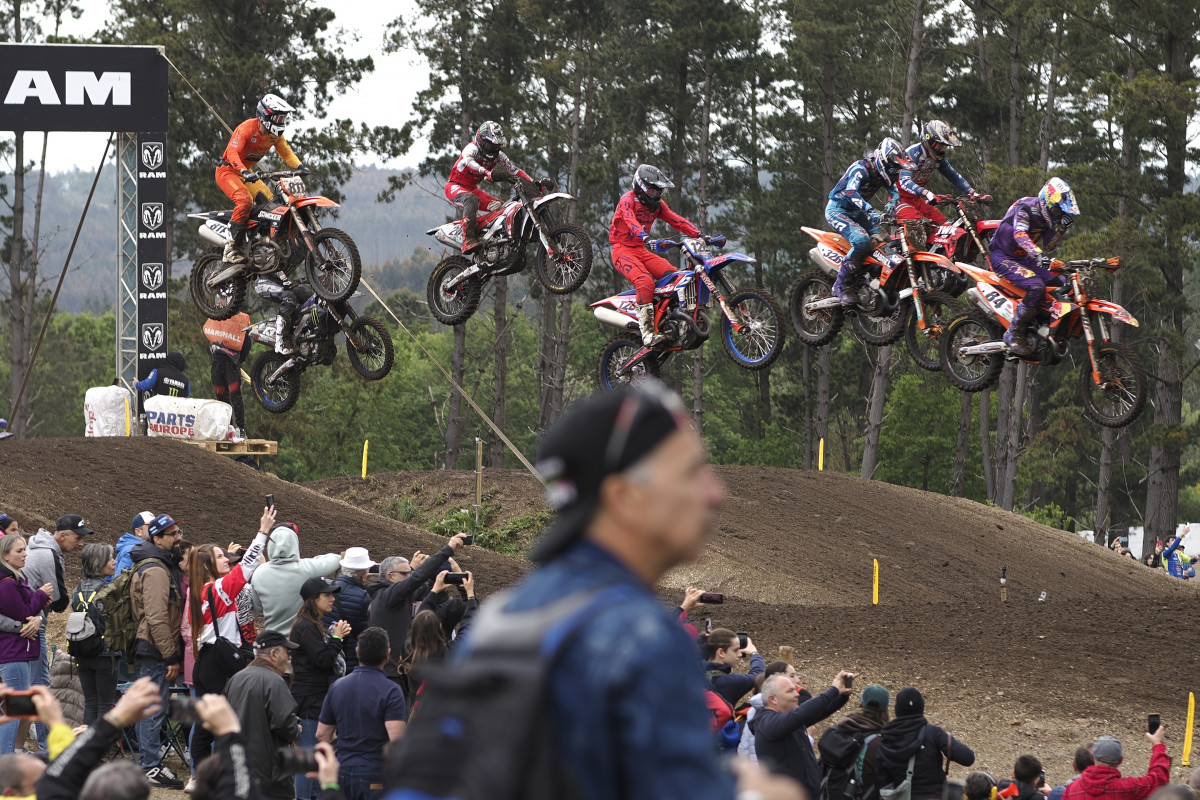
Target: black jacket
{"x":315,"y":666}
{"x":352,"y":603}
{"x":860,"y":727}
{"x":733,"y":685}
{"x":450,"y":611}
{"x":266,"y":709}
{"x":64,"y":778}
{"x":904,"y":736}
{"x":782,"y":745}
{"x":392,"y":606}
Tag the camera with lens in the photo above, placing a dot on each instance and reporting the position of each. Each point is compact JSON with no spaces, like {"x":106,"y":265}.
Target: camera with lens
{"x":298,"y":759}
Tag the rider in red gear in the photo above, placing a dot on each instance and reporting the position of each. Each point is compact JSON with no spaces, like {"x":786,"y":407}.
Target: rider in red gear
{"x":928,"y":155}
{"x":630,"y":238}
{"x":478,"y":161}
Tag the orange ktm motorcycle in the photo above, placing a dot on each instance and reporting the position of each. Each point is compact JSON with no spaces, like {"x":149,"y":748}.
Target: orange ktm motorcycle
{"x":1112,"y":382}
{"x":281,"y":234}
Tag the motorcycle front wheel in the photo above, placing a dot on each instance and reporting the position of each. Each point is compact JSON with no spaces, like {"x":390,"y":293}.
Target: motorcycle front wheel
{"x":883,"y":330}
{"x":369,"y":348}
{"x":971,"y":373}
{"x":566,"y":272}
{"x":1121,"y":394}
{"x":617,"y":351}
{"x":452,"y":306}
{"x":226,"y":299}
{"x":923,"y":346}
{"x":333,"y":268}
{"x":279,"y":395}
{"x":818,"y":327}
{"x":760,"y":340}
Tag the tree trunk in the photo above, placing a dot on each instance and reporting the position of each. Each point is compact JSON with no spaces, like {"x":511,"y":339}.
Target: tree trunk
{"x":979,"y":11}
{"x":683,"y":112}
{"x":879,"y":385}
{"x":547,"y":343}
{"x":961,"y":445}
{"x":914,"y":71}
{"x":985,"y":444}
{"x":1012,"y":437}
{"x":1051,"y":90}
{"x":821,"y":422}
{"x":454,"y":412}
{"x":500,"y":369}
{"x":20,"y":312}
{"x":702,"y":220}
{"x":1014,"y":88}
{"x":806,"y":388}
{"x":828,"y":94}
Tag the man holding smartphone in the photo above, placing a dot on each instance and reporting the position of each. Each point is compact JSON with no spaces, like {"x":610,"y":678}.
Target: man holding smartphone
{"x":1103,"y":780}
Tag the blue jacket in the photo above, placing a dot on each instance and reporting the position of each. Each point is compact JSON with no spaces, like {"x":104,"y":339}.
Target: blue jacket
{"x":912,"y":181}
{"x":627,"y":691}
{"x":782,"y":743}
{"x":860,"y":183}
{"x":351,"y":605}
{"x":123,"y":548}
{"x":732,"y":685}
{"x":1178,"y":566}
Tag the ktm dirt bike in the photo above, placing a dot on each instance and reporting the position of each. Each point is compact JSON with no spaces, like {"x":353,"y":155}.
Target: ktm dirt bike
{"x":281,"y":234}
{"x":275,"y":377}
{"x":564,"y":258}
{"x":752,"y":323}
{"x":1112,"y":382}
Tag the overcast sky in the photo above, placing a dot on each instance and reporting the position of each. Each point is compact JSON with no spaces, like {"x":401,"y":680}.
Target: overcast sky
{"x":384,"y":97}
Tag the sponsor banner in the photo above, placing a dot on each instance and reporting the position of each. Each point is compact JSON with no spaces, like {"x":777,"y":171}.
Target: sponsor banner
{"x":152,"y":252}
{"x":72,"y":87}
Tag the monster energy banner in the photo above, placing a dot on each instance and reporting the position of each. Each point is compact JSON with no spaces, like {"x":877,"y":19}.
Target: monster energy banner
{"x":151,"y":251}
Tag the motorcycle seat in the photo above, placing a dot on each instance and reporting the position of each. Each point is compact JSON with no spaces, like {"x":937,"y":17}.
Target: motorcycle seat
{"x":666,"y":279}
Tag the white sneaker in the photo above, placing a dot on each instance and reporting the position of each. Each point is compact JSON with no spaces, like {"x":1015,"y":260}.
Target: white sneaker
{"x":191,"y":784}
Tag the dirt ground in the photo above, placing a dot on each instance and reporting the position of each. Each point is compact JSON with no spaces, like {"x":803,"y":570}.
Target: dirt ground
{"x":792,"y":551}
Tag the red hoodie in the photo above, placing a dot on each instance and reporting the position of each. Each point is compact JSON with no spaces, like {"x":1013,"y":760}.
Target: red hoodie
{"x":1102,"y":782}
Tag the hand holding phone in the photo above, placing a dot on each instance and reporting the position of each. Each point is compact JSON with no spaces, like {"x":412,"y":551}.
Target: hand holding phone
{"x":270,"y":501}
{"x":19,"y":705}
{"x":455,"y":578}
{"x":715,"y":598}
{"x":1153,"y":723}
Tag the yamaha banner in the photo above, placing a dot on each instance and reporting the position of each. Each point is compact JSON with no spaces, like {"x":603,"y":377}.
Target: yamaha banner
{"x":152,"y":252}
{"x":71,"y":87}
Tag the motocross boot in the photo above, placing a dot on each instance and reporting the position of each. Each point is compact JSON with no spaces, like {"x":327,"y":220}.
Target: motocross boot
{"x":235,"y":240}
{"x":843,"y":287}
{"x":285,"y":342}
{"x":470,"y":235}
{"x":650,"y":337}
{"x":1017,"y":336}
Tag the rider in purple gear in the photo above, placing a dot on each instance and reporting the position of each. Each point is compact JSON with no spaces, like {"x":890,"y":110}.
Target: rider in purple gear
{"x":1032,"y":227}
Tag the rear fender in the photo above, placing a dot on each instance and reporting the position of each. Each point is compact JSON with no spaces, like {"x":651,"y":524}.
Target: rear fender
{"x":1118,"y":313}
{"x":937,"y":261}
{"x":627,"y":299}
{"x":836,"y":241}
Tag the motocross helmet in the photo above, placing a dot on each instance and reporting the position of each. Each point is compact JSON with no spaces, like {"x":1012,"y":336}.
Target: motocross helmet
{"x":649,"y":183}
{"x":1057,"y":203}
{"x":273,"y":112}
{"x":889,"y":158}
{"x":936,"y":138}
{"x":490,"y":139}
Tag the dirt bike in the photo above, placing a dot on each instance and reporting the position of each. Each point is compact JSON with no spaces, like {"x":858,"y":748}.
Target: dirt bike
{"x":563,"y":261}
{"x":1112,"y":382}
{"x":275,"y":377}
{"x":963,"y":238}
{"x":752,"y":324}
{"x":280,"y":236}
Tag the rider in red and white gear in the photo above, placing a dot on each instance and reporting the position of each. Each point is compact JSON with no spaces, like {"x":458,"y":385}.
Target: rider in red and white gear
{"x":629,"y":235}
{"x":479,"y":161}
{"x":927,"y":155}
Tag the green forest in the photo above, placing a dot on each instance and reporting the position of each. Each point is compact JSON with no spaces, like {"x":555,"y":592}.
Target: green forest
{"x":754,"y":108}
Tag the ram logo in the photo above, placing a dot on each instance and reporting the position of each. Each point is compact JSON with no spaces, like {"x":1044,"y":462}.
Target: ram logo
{"x":152,"y":215}
{"x":152,"y":276}
{"x":152,"y":155}
{"x":152,"y":335}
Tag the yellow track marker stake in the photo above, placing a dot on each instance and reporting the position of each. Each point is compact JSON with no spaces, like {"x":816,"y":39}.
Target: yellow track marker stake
{"x":366,"y":444}
{"x":1187,"y":736}
{"x":875,"y":585}
{"x":821,"y":456}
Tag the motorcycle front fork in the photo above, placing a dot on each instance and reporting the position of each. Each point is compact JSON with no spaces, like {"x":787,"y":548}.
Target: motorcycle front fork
{"x":1092,"y":339}
{"x":917,"y":286}
{"x":306,"y":231}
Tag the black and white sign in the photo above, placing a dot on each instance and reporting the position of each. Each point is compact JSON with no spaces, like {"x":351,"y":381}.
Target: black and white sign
{"x":74,"y":87}
{"x":152,"y":277}
{"x":153,"y":335}
{"x":152,"y":252}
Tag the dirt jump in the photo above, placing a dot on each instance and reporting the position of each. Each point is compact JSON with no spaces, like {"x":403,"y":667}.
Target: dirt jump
{"x":793,"y":553}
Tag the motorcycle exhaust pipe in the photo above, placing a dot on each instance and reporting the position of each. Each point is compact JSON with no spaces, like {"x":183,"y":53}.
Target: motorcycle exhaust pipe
{"x":610,"y":316}
{"x":817,"y":305}
{"x":814,"y":255}
{"x":691,"y":323}
{"x":982,"y":304}
{"x":211,"y":236}
{"x":984,"y":349}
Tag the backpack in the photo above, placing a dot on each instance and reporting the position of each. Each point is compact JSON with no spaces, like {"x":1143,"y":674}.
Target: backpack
{"x":85,"y":627}
{"x":120,"y":625}
{"x":483,"y":727}
{"x":902,"y":790}
{"x":724,"y":724}
{"x":843,"y":754}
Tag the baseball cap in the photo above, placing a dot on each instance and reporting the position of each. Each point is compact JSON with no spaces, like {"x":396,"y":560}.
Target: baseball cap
{"x":141,"y":519}
{"x":160,"y":524}
{"x":73,"y":523}
{"x":875,"y":697}
{"x":1107,"y":750}
{"x":268,"y":639}
{"x":315,"y":586}
{"x":357,"y":558}
{"x":601,"y":436}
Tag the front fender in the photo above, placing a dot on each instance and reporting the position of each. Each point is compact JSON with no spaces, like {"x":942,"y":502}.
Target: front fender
{"x":719,"y":260}
{"x":1117,"y":312}
{"x":550,"y":198}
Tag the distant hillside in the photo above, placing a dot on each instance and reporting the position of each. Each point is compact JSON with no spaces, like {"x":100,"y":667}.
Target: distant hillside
{"x":382,"y":231}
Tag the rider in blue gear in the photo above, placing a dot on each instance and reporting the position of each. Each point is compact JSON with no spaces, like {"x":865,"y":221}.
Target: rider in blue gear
{"x":849,"y":211}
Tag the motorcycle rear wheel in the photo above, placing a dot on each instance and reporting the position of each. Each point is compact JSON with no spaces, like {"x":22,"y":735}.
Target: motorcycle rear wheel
{"x":369,"y":348}
{"x":227,"y":300}
{"x":456,"y":306}
{"x":282,"y":393}
{"x":760,"y":341}
{"x":1122,"y":395}
{"x":616,"y":351}
{"x":882,"y":331}
{"x":923,"y":346}
{"x":972,"y":373}
{"x":568,"y":272}
{"x":334,"y":267}
{"x":820,"y":327}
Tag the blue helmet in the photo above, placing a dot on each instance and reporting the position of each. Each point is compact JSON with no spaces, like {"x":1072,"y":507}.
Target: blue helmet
{"x":1057,"y":203}
{"x":889,"y":158}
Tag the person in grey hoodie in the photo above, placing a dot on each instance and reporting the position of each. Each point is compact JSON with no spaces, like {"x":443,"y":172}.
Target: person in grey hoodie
{"x":44,"y":564}
{"x":277,"y":583}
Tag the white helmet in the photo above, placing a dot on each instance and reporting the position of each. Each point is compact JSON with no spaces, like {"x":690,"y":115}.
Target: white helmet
{"x":273,"y":113}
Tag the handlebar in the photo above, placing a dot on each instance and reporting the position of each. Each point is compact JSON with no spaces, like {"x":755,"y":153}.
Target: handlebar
{"x":271,"y":176}
{"x":953,"y":200}
{"x":673,"y":244}
{"x":1110,"y":264}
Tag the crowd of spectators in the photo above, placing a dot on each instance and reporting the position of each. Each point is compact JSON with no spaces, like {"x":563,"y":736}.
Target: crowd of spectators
{"x":352,"y":687}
